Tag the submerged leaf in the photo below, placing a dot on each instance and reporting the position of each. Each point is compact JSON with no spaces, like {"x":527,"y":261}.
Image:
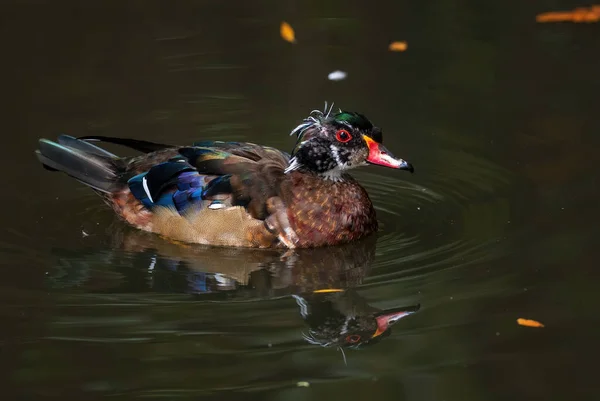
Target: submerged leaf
{"x":287,"y":32}
{"x":398,"y":46}
{"x":529,"y":322}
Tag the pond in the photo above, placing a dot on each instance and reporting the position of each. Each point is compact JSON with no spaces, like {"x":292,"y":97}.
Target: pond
{"x":497,"y":112}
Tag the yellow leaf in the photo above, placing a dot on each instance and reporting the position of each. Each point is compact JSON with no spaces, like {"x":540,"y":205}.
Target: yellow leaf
{"x":325,"y":290}
{"x":529,"y":322}
{"x":398,"y":46}
{"x":287,"y":32}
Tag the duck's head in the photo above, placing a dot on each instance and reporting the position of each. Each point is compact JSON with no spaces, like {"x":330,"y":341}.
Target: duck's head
{"x":329,"y":144}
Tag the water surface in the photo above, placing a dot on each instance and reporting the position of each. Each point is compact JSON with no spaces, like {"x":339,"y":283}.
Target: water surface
{"x":498,"y":114}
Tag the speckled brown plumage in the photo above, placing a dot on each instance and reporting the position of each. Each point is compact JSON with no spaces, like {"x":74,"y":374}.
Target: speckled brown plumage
{"x":324,"y":212}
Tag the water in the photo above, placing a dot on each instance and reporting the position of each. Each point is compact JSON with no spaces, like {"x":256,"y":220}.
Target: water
{"x":497,"y":113}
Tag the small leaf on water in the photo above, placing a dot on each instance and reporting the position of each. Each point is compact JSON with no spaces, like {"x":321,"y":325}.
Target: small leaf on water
{"x":529,"y":322}
{"x":326,"y":290}
{"x":578,"y":15}
{"x":303,"y":384}
{"x":287,"y":32}
{"x":398,"y":46}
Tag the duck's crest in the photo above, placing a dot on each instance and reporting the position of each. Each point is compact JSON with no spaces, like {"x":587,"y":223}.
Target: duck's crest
{"x":314,"y":118}
{"x":317,"y":118}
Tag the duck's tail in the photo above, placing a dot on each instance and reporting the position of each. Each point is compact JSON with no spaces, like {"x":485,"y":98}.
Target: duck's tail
{"x":93,"y":166}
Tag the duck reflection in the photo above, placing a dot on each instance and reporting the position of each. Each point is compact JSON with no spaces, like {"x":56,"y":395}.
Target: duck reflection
{"x":322,"y":280}
{"x":342,"y":318}
{"x":143,"y":262}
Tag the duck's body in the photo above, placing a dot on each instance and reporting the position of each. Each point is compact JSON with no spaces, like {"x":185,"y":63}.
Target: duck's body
{"x":320,"y":212}
{"x":233,"y":193}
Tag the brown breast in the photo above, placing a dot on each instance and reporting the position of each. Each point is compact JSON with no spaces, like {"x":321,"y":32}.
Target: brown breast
{"x":324,"y":212}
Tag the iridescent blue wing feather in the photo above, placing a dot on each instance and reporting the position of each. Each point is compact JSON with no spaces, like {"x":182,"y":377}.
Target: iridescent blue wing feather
{"x":174,"y":183}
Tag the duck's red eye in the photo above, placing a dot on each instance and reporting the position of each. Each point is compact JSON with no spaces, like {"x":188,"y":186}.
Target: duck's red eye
{"x":343,"y":136}
{"x":354,"y":338}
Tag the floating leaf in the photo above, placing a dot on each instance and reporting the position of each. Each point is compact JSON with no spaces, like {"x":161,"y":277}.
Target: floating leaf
{"x":398,"y":46}
{"x":577,"y":15}
{"x":303,"y":384}
{"x":287,"y":32}
{"x":529,"y":322}
{"x":337,"y":75}
{"x":325,"y":290}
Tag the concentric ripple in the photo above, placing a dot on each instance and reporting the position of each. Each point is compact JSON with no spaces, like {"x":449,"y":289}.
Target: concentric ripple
{"x":446,"y":218}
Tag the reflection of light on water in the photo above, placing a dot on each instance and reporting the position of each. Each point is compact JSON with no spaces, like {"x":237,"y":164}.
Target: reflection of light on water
{"x":451,"y":255}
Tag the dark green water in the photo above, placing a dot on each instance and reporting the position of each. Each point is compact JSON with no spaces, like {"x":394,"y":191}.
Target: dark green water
{"x":499,"y":115}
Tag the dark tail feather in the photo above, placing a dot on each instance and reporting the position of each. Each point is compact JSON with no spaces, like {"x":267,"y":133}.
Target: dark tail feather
{"x":84,"y":146}
{"x":142,"y":146}
{"x":83,"y":161}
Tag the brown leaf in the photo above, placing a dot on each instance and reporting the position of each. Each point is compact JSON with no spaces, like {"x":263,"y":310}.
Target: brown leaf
{"x":577,"y":15}
{"x":287,"y":32}
{"x":529,"y":322}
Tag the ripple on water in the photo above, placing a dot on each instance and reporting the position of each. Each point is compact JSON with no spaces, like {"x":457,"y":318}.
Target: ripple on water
{"x":455,"y":217}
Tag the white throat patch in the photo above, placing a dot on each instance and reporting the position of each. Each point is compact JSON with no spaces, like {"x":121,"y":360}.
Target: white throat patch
{"x":334,"y":174}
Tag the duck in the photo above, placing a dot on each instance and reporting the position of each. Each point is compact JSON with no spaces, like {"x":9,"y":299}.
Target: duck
{"x":237,"y":194}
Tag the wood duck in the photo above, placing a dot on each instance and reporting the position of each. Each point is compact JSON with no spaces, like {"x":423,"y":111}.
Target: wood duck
{"x":238,"y":193}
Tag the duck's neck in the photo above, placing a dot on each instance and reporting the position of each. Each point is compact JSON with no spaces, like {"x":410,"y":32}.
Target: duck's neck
{"x":336,"y":174}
